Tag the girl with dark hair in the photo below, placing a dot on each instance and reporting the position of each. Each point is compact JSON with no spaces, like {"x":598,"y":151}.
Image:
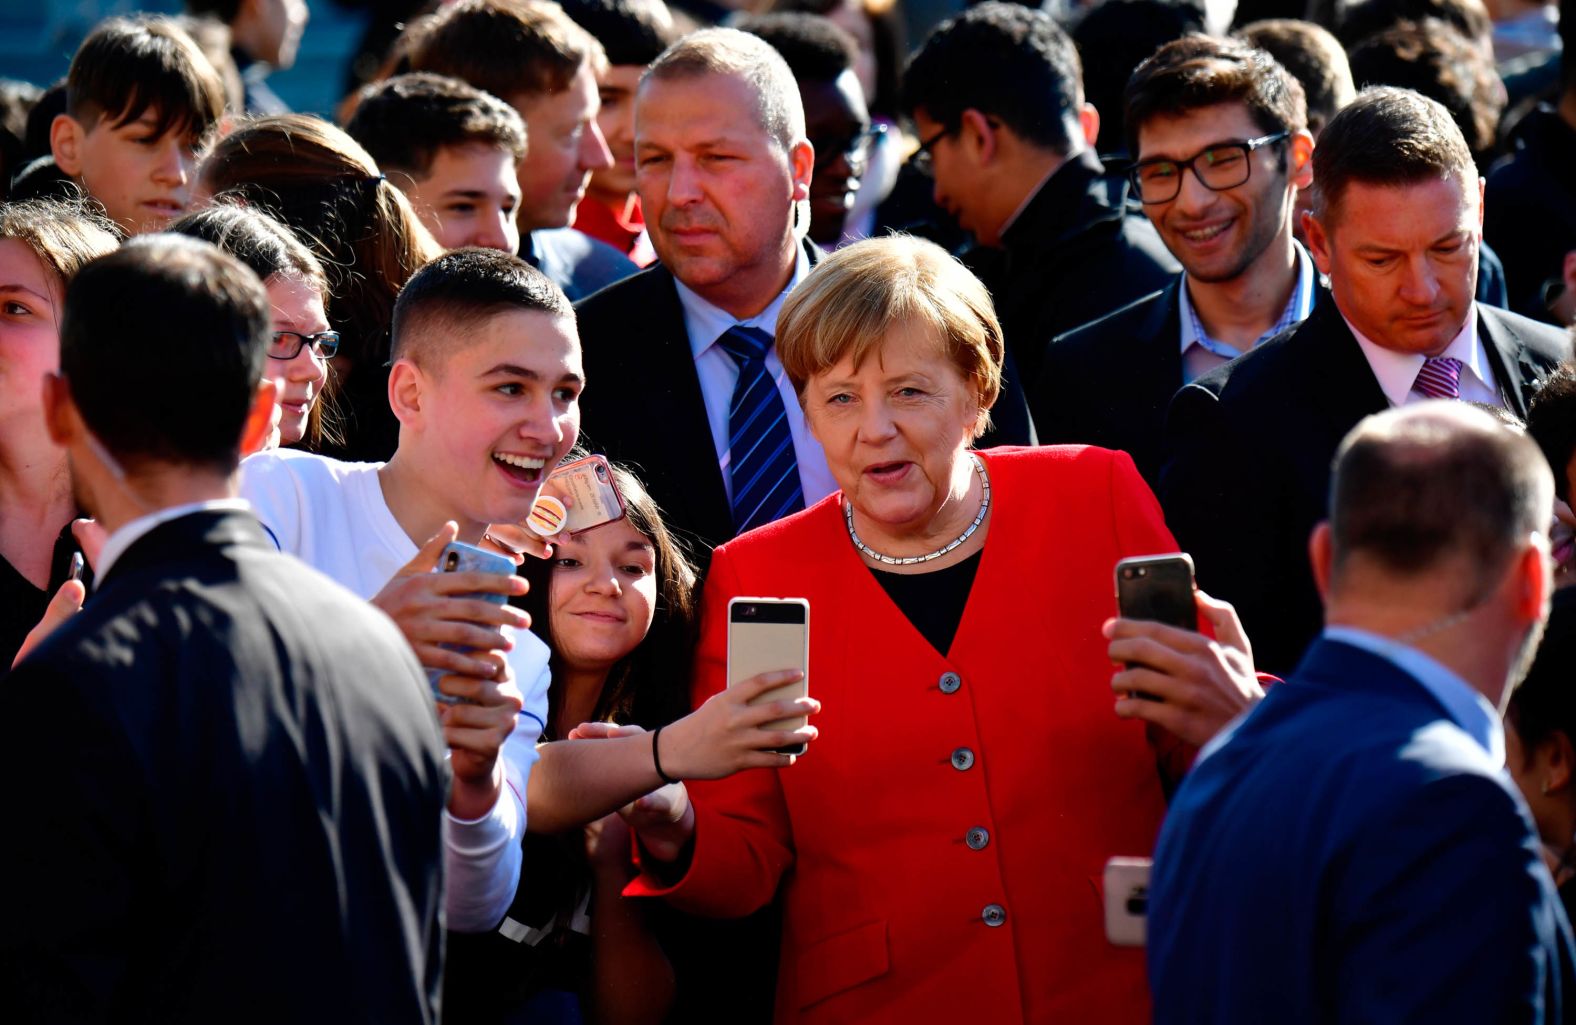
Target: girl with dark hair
{"x":302,"y":343}
{"x":615,"y":605}
{"x":325,"y":187}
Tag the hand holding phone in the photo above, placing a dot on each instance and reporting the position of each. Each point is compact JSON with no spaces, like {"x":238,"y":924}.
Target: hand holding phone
{"x":589,"y":494}
{"x":769,"y":635}
{"x":448,"y":628}
{"x":463,"y":558}
{"x":1126,"y":887}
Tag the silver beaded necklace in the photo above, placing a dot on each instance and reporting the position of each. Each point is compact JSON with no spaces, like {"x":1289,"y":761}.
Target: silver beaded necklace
{"x":910,"y":560}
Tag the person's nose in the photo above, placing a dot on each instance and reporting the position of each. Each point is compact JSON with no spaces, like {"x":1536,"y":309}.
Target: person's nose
{"x":876,"y":423}
{"x":594,"y":153}
{"x":176,"y":165}
{"x":683,"y":182}
{"x":306,"y":367}
{"x":1419,"y":284}
{"x":1193,"y":198}
{"x":604,"y":581}
{"x":493,"y":232}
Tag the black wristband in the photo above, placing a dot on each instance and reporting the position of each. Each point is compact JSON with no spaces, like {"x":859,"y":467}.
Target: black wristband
{"x":656,"y":759}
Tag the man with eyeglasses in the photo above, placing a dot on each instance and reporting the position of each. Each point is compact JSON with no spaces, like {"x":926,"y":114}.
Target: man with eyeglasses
{"x":1219,"y":132}
{"x":1395,"y":227}
{"x":996,"y":96}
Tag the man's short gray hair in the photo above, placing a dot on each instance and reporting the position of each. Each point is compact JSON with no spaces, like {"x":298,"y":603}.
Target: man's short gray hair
{"x":726,"y":51}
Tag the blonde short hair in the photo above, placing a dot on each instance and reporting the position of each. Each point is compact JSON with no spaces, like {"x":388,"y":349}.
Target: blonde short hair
{"x":846,"y":306}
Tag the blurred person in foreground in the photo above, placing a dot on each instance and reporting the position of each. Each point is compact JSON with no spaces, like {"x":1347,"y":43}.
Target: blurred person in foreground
{"x":1404,"y":881}
{"x":938,"y":866}
{"x":1398,"y":215}
{"x":244,"y":797}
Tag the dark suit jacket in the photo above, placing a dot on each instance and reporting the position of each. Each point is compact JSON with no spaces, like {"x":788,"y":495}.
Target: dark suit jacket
{"x":643,"y":405}
{"x":234,"y":788}
{"x":1352,"y":855}
{"x":1248,"y":449}
{"x":1109,"y":383}
{"x":1076,"y":253}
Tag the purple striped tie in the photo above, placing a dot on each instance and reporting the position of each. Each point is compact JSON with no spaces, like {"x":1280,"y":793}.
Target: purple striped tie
{"x":1440,"y":378}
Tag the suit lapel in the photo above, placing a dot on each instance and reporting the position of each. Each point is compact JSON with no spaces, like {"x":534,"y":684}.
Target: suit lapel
{"x":1516,"y":374}
{"x":1345,"y":386}
{"x":180,"y":539}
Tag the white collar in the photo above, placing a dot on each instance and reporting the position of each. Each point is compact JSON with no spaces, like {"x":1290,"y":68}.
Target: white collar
{"x":706,"y":323}
{"x":1397,"y":371}
{"x":130,"y":533}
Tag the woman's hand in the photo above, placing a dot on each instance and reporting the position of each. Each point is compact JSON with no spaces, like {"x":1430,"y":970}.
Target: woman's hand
{"x":66,"y":603}
{"x":607,"y":847}
{"x":1193,"y":685}
{"x":664,"y":820}
{"x":727,"y":733}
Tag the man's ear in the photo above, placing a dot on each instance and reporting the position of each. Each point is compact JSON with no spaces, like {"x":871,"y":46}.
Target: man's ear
{"x":1321,"y":557}
{"x":260,"y":418}
{"x":1533,"y":582}
{"x":1561,"y":754}
{"x":60,"y":418}
{"x":801,"y":161}
{"x":406,"y":385}
{"x":979,"y":136}
{"x":1318,"y":241}
{"x":1089,"y":123}
{"x":1482,"y":184}
{"x":65,"y":144}
{"x":1301,"y":168}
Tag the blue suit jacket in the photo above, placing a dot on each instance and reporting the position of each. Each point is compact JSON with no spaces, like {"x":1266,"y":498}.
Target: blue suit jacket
{"x":1352,"y":855}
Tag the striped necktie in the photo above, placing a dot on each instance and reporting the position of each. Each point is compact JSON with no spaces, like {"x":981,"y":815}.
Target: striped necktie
{"x":761,"y":461}
{"x":1440,"y":378}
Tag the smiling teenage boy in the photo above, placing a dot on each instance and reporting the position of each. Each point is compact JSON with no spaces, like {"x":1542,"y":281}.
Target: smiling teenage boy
{"x":140,"y":101}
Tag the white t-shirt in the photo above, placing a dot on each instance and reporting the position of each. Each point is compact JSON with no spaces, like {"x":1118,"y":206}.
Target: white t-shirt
{"x":332,"y":516}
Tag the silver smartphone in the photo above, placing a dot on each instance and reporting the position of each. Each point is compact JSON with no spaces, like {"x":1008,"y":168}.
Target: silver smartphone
{"x":1127,"y":901}
{"x":766,"y":635}
{"x":458,"y":557}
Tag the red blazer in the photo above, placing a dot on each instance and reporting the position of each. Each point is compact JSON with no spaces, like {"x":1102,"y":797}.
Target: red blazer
{"x":930,"y":802}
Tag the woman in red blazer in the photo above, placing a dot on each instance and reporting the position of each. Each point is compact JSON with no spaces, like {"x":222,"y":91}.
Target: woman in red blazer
{"x":941,"y":845}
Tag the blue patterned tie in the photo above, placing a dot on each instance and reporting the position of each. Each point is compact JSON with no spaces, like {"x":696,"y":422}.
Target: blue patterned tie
{"x":761,"y":461}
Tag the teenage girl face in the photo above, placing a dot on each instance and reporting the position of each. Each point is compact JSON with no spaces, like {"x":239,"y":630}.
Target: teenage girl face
{"x":29,"y":332}
{"x":603,"y":594}
{"x":296,"y":306}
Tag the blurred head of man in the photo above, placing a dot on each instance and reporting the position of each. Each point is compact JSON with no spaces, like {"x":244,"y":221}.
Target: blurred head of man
{"x":1238,"y":117}
{"x":1397,"y":220}
{"x":142,"y":434}
{"x":836,"y":118}
{"x":1436,"y":538}
{"x":722,"y":162}
{"x":996,"y":96}
{"x":452,"y":150}
{"x":633,"y":33}
{"x":529,"y":54}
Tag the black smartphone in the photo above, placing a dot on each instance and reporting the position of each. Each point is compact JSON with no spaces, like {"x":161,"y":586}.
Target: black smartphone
{"x":1158,"y":588}
{"x":766,"y":635}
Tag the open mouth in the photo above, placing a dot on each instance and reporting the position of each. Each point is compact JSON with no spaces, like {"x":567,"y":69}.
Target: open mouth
{"x":1207,"y":233}
{"x":887,"y":473}
{"x":518,"y":468}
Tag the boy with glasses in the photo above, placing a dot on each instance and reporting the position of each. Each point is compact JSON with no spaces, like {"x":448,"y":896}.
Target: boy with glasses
{"x":1219,"y":132}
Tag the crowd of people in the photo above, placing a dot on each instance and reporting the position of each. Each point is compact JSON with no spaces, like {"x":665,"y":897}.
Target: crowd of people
{"x":928,"y":340}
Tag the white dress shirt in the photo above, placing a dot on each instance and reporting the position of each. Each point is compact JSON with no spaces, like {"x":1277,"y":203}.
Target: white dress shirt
{"x":1397,"y":371}
{"x":718,"y":374}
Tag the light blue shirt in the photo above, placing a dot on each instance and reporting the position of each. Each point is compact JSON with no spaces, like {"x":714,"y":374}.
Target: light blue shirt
{"x":1201,"y":353}
{"x":1466,"y":706}
{"x":718,"y":374}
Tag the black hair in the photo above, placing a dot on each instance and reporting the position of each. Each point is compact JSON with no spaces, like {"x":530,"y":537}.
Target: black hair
{"x":816,"y":49}
{"x":224,"y":10}
{"x":465,"y":286}
{"x":1545,"y":702}
{"x":1004,"y":60}
{"x":631,"y":31}
{"x":1359,"y":21}
{"x":1117,"y":36}
{"x":162,"y":344}
{"x":404,"y":121}
{"x":1551,"y":420}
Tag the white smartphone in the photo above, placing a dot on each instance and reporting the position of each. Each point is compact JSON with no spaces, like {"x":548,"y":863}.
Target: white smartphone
{"x":766,"y":635}
{"x":1127,"y":901}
